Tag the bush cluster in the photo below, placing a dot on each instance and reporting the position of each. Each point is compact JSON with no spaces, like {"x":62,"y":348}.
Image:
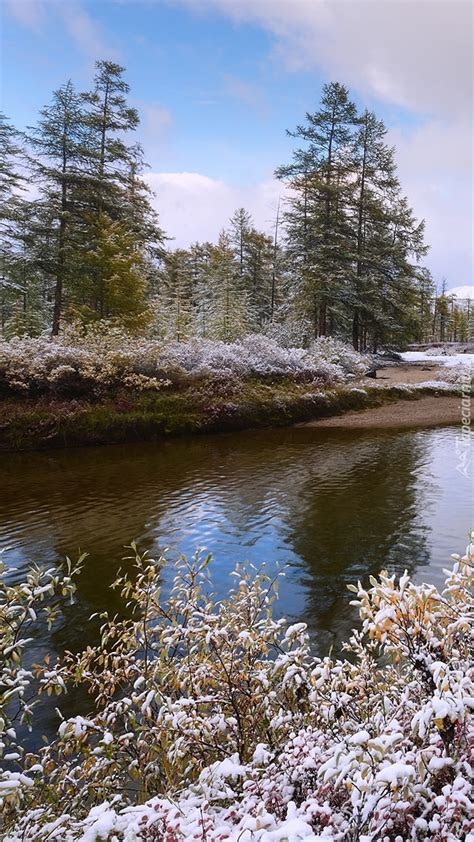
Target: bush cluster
{"x":213,"y":721}
{"x":75,"y":365}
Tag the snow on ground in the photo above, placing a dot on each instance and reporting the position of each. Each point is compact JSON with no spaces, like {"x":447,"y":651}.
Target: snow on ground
{"x":439,"y":359}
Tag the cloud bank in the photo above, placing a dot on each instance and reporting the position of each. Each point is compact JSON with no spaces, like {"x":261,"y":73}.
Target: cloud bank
{"x":194,"y":207}
{"x":416,"y":54}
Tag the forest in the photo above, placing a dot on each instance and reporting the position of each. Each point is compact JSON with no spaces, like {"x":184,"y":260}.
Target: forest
{"x":81,"y":240}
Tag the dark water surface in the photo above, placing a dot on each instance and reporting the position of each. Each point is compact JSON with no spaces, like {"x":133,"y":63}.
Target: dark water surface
{"x":334,"y":505}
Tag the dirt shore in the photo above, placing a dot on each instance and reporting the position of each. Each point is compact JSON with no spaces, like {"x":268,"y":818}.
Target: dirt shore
{"x":425,"y":412}
{"x":408,"y":374}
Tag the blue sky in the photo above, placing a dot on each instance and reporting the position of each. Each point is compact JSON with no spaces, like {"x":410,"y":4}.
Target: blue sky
{"x":217,"y":82}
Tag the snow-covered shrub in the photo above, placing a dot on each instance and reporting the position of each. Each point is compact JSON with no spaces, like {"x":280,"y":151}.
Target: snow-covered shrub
{"x":214,"y":722}
{"x":455,"y":374}
{"x":290,"y":332}
{"x":100,"y":361}
{"x":22,"y":605}
{"x":142,"y":383}
{"x":339,"y":353}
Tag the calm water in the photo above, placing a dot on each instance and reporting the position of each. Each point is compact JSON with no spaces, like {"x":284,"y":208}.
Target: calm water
{"x":333,"y":505}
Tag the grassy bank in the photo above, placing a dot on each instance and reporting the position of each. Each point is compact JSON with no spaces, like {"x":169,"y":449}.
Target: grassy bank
{"x":208,"y":406}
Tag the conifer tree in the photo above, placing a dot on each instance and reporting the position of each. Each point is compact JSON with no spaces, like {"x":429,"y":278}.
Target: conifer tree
{"x":11,"y":179}
{"x":115,"y":285}
{"x":202,"y":287}
{"x":11,"y":205}
{"x":316,"y":219}
{"x":231,"y":316}
{"x":276,"y":264}
{"x":260,"y":268}
{"x":254,"y":255}
{"x":385,"y":236}
{"x":426,"y":297}
{"x":173,"y":308}
{"x":60,"y":146}
{"x":109,"y":119}
{"x":240,"y":227}
{"x":116,"y":186}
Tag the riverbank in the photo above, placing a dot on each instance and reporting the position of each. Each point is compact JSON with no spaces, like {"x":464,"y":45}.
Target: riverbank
{"x":411,"y":374}
{"x":207,"y":406}
{"x":428,"y":411}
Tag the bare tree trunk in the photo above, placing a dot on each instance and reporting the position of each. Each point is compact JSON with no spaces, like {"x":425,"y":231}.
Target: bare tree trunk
{"x":355,"y":330}
{"x":58,"y":289}
{"x":360,"y":228}
{"x":275,"y":249}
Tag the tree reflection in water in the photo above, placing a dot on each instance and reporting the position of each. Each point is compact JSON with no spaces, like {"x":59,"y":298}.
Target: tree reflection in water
{"x":334,"y":505}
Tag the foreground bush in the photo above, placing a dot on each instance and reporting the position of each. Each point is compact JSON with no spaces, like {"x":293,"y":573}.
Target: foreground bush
{"x":75,"y":365}
{"x":213,"y":721}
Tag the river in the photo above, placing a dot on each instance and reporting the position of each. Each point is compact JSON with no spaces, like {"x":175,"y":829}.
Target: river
{"x":332,"y":506}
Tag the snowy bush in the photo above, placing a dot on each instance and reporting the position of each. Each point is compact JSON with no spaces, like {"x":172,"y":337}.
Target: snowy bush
{"x":77,"y":364}
{"x":455,"y":374}
{"x":22,"y":606}
{"x":213,"y":721}
{"x":290,"y":332}
{"x":339,"y":353}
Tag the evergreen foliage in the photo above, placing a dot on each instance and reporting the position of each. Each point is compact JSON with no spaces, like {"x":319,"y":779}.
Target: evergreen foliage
{"x":343,"y":259}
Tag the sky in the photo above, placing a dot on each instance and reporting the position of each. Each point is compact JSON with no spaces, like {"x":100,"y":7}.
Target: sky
{"x":218,"y":82}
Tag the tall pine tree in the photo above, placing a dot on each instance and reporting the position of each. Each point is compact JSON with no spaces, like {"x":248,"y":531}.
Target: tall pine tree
{"x":60,"y":146}
{"x":316,"y":219}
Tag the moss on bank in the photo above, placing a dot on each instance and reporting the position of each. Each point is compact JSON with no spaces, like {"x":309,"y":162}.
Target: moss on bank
{"x":209,"y":406}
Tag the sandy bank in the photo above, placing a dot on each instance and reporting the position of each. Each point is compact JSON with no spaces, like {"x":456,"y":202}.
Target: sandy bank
{"x":408,"y":374}
{"x":424,"y":412}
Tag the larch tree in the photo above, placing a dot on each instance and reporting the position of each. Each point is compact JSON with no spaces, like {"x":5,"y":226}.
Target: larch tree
{"x":109,"y":118}
{"x":173,"y":307}
{"x":231,"y":312}
{"x":200,"y":262}
{"x":240,"y":225}
{"x":117,"y":187}
{"x":60,"y":146}
{"x":115,"y":276}
{"x":317,"y":179}
{"x":385,"y":236}
{"x":12,"y":288}
{"x":254,"y":253}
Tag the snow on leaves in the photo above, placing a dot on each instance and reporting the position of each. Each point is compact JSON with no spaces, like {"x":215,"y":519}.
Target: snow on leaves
{"x":77,"y":365}
{"x":214,"y":721}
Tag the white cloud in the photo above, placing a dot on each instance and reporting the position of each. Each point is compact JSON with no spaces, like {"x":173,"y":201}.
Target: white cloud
{"x":435,"y":162}
{"x":195,"y":207}
{"x":412,"y":53}
{"x":78,"y":23}
{"x":29,"y":13}
{"x":84,"y":31}
{"x":463,"y":292}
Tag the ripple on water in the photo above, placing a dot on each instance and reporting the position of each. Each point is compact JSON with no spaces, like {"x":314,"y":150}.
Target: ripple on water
{"x":335,"y":505}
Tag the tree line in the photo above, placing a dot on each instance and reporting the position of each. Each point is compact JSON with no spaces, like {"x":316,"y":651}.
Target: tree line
{"x":81,"y":241}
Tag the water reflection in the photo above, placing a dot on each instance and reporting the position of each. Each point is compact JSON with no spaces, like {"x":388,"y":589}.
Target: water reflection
{"x":334,"y":505}
{"x":365,"y":515}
